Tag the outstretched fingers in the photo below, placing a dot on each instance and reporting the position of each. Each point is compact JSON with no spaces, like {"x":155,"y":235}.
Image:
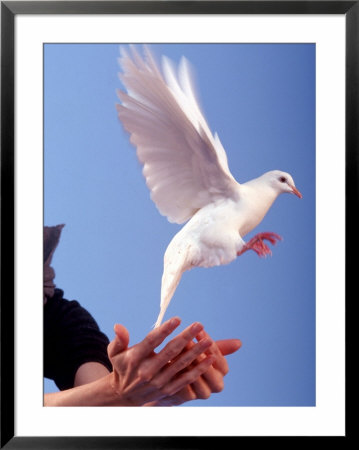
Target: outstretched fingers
{"x":174,"y":348}
{"x":188,"y":377}
{"x":173,"y":351}
{"x":184,"y":361}
{"x":176,"y":366}
{"x":212,"y":380}
{"x":155,"y":338}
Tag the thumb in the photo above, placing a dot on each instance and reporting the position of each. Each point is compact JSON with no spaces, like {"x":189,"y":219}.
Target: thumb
{"x":120,"y":343}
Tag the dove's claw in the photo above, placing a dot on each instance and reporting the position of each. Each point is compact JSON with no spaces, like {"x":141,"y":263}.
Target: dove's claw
{"x":256,"y":244}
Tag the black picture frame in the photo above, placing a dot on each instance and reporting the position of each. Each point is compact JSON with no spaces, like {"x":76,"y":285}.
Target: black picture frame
{"x":9,"y":9}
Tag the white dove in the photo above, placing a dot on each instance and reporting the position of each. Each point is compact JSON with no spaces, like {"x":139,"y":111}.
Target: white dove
{"x":186,"y":171}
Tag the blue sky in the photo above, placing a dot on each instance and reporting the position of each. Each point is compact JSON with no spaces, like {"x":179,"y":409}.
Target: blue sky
{"x":261,"y":101}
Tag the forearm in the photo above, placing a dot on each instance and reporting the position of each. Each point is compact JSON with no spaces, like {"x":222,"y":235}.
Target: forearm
{"x":89,"y":372}
{"x":97,"y":393}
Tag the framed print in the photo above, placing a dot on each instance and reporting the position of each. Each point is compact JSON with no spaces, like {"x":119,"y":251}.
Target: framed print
{"x":278,"y":81}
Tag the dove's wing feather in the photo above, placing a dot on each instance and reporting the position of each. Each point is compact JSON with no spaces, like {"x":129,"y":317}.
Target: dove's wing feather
{"x":185,"y":94}
{"x":185,"y":167}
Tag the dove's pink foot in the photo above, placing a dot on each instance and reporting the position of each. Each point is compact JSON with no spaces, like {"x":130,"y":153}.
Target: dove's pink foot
{"x":257,"y":244}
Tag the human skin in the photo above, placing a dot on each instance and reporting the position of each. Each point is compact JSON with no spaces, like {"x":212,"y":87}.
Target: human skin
{"x":183,"y":370}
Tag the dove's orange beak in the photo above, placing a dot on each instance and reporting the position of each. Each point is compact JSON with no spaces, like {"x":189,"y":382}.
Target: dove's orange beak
{"x":296,"y":192}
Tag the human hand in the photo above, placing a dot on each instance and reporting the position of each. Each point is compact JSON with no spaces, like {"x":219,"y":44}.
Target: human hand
{"x":212,"y":380}
{"x":141,"y":376}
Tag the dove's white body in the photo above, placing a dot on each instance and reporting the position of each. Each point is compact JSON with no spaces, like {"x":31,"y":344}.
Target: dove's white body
{"x":186,"y":170}
{"x":215,"y":232}
{"x":213,"y":236}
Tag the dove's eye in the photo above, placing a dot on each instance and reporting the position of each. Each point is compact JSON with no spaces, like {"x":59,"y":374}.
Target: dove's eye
{"x":282,"y":179}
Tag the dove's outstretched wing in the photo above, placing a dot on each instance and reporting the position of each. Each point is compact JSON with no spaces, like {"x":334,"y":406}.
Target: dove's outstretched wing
{"x":184,"y":165}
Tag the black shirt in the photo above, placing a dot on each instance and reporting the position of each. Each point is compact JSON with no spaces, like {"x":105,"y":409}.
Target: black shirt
{"x":71,"y":338}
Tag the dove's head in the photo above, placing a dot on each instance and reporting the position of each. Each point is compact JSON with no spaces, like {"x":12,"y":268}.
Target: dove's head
{"x":282,"y":182}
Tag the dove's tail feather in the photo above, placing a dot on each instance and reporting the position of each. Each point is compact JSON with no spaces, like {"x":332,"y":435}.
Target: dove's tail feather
{"x":169,"y":285}
{"x":175,"y":263}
